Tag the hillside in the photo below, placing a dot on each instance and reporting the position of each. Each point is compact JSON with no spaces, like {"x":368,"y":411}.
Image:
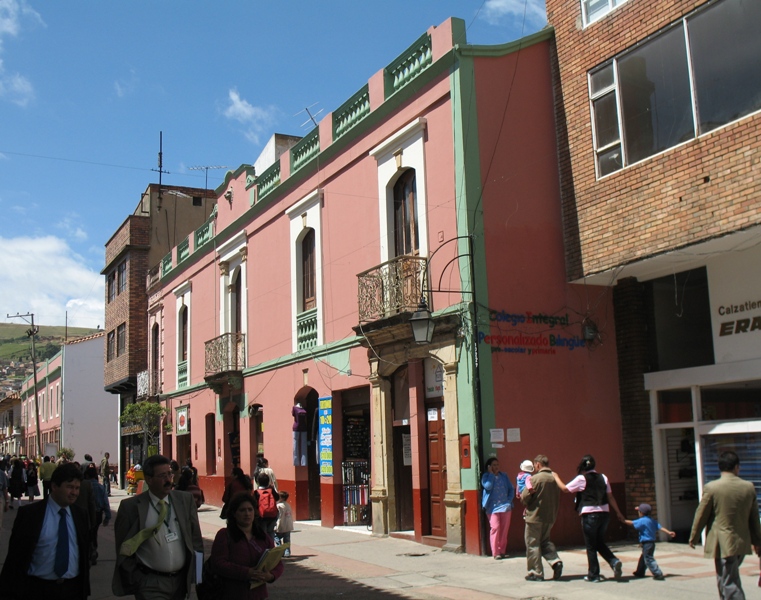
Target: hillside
{"x":15,"y":344}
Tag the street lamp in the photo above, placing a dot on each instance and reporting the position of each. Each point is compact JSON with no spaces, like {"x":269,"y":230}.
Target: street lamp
{"x":422,"y":324}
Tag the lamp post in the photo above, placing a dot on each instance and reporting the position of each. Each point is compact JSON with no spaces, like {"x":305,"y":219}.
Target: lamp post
{"x":422,"y":324}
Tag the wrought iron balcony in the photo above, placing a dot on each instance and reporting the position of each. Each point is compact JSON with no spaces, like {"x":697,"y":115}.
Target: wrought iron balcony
{"x":148,"y":383}
{"x":391,"y":288}
{"x":225,"y":354}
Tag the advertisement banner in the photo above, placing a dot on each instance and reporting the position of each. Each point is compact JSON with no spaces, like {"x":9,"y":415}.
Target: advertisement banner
{"x":325,"y":436}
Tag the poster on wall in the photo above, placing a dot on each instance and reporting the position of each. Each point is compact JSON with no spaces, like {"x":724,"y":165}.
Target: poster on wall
{"x":182,"y":421}
{"x":434,"y":378}
{"x":325,"y":436}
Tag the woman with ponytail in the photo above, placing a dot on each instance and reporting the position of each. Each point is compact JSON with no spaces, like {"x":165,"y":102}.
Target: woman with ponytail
{"x":593,"y":502}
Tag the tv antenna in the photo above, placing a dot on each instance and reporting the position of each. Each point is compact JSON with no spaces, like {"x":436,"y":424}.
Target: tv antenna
{"x":160,"y":170}
{"x":206,"y":168}
{"x":311,"y":116}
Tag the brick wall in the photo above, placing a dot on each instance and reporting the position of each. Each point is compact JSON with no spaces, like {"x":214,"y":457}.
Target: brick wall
{"x":631,"y":342}
{"x":131,"y":306}
{"x":701,"y":189}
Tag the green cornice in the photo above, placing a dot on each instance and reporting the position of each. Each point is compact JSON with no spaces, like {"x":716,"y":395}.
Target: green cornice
{"x":508,"y":48}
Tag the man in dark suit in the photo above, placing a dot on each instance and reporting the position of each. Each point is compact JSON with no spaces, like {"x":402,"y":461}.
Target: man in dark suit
{"x":48,"y":553}
{"x":157,"y":537}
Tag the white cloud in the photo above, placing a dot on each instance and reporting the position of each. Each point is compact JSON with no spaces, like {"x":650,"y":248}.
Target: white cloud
{"x":68,"y":224}
{"x":44,"y":276}
{"x":126,"y":85}
{"x":495,"y":11}
{"x":255,"y":119}
{"x":15,"y":87}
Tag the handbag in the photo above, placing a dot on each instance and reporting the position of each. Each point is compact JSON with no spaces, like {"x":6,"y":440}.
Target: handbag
{"x":211,"y":586}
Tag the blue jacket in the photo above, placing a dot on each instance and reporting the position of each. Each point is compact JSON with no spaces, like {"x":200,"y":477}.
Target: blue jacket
{"x":492,"y":503}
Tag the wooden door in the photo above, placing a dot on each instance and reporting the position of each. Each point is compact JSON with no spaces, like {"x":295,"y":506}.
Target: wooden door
{"x":437,"y":467}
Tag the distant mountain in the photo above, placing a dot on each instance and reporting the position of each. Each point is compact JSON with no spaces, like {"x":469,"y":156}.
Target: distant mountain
{"x":16,"y":345}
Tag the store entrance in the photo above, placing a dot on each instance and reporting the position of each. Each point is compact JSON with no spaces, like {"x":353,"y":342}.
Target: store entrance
{"x":437,"y":466}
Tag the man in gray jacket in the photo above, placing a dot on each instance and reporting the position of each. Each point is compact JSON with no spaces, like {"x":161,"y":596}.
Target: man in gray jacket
{"x":541,"y":502}
{"x":729,"y":509}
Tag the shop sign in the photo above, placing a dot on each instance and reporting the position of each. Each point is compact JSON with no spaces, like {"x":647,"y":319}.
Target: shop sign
{"x":735,"y":306}
{"x":131,"y":429}
{"x":434,"y":378}
{"x":325,"y":436}
{"x":182,"y":421}
{"x":529,"y":333}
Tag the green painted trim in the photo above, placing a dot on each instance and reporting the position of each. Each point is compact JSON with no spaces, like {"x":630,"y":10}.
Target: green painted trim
{"x":468,"y":191}
{"x":230,"y":175}
{"x":508,"y":48}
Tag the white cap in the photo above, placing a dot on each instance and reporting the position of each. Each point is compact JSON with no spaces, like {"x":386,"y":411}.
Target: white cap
{"x":527,"y":466}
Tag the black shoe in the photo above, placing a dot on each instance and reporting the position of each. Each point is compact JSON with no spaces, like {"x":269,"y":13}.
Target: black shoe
{"x":589,"y":579}
{"x":638,"y":575}
{"x":534,"y":577}
{"x":557,"y":570}
{"x":617,"y":569}
{"x":659,"y":577}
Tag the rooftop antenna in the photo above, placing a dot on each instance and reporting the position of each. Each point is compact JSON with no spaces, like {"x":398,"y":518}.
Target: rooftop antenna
{"x":311,"y":116}
{"x":160,"y":170}
{"x":206,"y":168}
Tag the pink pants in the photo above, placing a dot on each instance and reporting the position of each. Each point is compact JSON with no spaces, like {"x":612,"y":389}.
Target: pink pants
{"x":500,"y":525}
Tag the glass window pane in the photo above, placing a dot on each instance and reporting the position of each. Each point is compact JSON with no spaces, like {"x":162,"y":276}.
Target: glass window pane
{"x":726,"y":60}
{"x":747,"y":446}
{"x":595,"y":8}
{"x":601,"y":79}
{"x":674,"y":406}
{"x":609,"y":161}
{"x":606,"y":120}
{"x":731,"y":401}
{"x":655,"y":96}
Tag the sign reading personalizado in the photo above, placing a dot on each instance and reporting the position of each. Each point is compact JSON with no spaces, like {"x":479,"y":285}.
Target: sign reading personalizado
{"x":529,"y":333}
{"x":325,"y":436}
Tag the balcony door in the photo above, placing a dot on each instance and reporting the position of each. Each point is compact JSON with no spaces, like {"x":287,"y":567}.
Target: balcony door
{"x":406,"y":231}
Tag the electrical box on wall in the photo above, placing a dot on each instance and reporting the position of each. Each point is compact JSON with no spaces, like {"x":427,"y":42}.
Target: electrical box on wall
{"x":465,"y":451}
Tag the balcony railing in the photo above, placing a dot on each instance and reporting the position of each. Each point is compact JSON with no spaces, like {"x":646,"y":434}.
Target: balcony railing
{"x":408,"y":65}
{"x":390,"y":288}
{"x":166,"y":264}
{"x":148,"y":383}
{"x":305,"y":150}
{"x":225,"y":353}
{"x":204,"y":233}
{"x":183,"y":250}
{"x":268,"y":180}
{"x":182,"y":374}
{"x":306,"y":329}
{"x":351,"y":112}
{"x":143,"y":383}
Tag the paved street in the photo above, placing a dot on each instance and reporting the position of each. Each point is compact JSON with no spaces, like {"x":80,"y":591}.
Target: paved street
{"x":330,"y":563}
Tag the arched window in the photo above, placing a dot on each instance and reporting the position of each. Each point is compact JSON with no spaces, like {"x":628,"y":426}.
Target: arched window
{"x":183,"y":349}
{"x":406,"y":236}
{"x":309,"y":279}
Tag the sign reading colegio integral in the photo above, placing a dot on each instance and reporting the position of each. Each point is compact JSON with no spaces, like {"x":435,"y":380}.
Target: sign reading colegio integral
{"x":529,"y":333}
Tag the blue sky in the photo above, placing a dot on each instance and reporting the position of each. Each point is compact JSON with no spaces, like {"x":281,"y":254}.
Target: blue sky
{"x":86,"y":87}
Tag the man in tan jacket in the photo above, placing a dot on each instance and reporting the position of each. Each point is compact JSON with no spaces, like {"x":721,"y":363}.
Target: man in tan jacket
{"x":729,"y":509}
{"x":541,"y":503}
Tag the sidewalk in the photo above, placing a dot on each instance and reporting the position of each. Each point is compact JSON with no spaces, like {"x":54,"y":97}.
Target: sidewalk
{"x":350,"y":562}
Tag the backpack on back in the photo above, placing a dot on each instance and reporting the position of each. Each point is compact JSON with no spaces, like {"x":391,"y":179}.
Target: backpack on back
{"x":267,"y":504}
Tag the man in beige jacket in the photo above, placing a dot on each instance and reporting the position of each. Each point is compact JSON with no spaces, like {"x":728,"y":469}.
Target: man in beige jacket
{"x":541,"y":503}
{"x":729,"y":509}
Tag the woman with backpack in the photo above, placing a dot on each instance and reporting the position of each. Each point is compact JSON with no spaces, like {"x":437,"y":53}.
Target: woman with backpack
{"x":240,"y":482}
{"x":266,"y":501}
{"x":593,"y":502}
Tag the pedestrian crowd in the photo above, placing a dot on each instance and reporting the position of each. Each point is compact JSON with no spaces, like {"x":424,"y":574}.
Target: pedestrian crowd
{"x":728,"y":511}
{"x":54,"y":542}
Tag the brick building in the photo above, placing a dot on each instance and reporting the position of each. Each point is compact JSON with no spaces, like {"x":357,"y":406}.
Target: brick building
{"x":657,"y":105}
{"x":134,"y":253}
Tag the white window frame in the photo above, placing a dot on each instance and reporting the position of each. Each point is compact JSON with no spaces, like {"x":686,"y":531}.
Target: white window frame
{"x":612,"y":5}
{"x":403,"y":150}
{"x":306,"y":214}
{"x":182,"y":299}
{"x":233,"y":253}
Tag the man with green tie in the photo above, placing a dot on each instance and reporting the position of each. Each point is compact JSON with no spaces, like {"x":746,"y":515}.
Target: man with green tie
{"x":157,"y":537}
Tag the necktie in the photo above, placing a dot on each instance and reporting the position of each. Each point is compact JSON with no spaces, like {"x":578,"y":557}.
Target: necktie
{"x":62,"y":546}
{"x":130,"y":546}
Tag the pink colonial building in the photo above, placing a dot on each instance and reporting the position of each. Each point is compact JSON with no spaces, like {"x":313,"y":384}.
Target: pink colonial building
{"x":437,"y":181}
